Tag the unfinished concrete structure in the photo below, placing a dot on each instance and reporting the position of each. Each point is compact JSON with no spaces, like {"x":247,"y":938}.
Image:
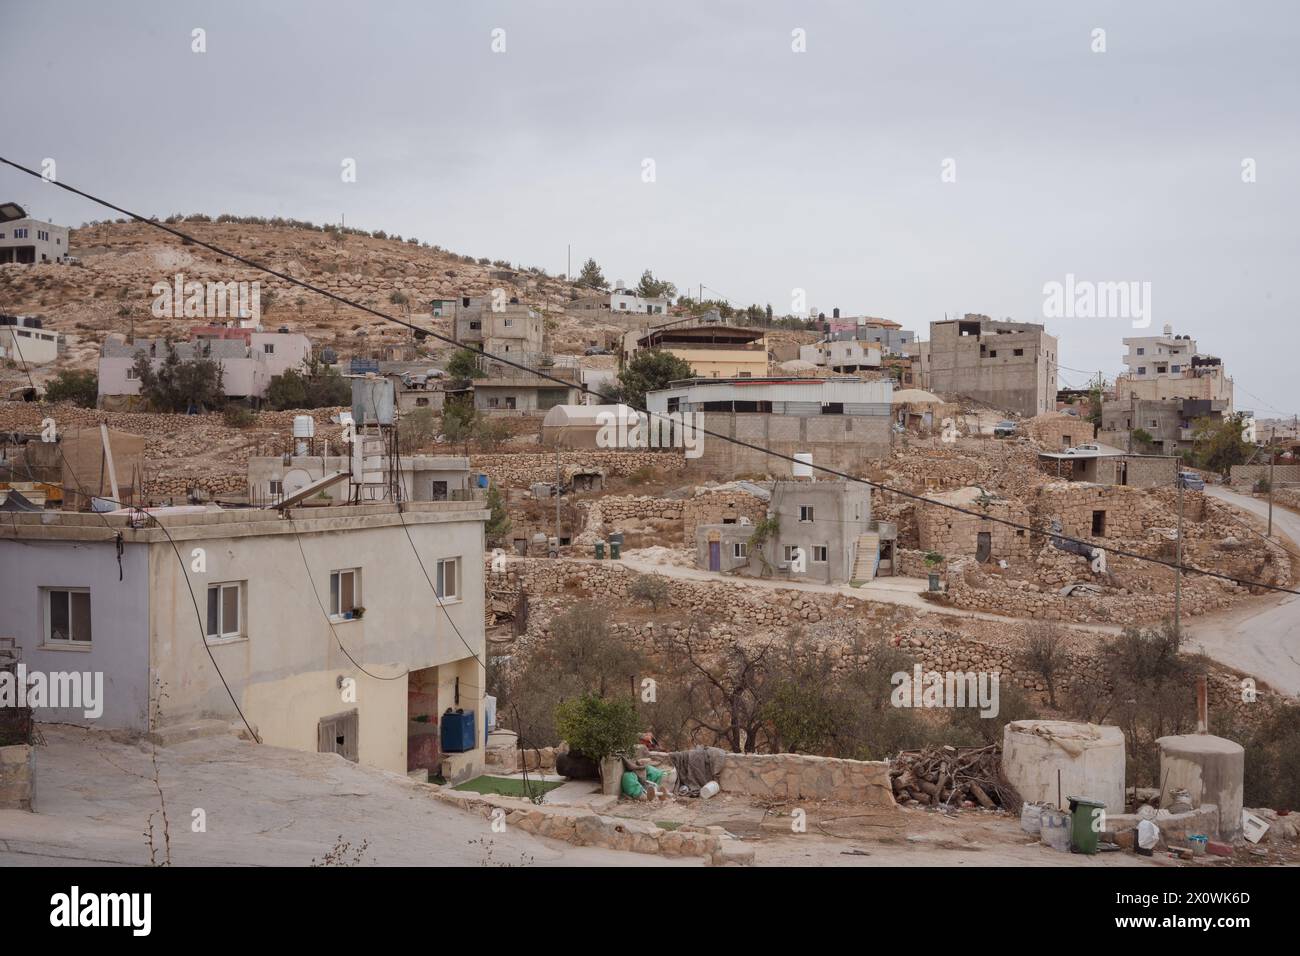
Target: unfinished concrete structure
{"x":1170,"y":423}
{"x":1169,"y":367}
{"x":501,"y":326}
{"x":260,"y":579}
{"x":1009,"y":365}
{"x":423,"y":478}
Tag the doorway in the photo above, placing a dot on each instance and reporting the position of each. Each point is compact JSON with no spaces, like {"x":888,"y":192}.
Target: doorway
{"x":715,"y":555}
{"x":1099,"y":524}
{"x":983,"y":546}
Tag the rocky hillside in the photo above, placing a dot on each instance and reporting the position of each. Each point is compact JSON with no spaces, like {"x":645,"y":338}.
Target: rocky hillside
{"x":120,"y":263}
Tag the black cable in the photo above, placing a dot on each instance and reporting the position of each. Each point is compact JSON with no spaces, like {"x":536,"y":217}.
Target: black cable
{"x":191,"y":240}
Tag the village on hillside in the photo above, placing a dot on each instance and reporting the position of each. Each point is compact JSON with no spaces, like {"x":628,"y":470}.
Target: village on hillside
{"x":566,"y":568}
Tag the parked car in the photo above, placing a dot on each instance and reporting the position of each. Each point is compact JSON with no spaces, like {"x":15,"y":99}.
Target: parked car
{"x":1191,"y":481}
{"x":596,"y":350}
{"x":1005,"y":429}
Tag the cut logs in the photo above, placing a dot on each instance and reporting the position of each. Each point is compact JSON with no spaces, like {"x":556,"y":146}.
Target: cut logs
{"x":958,"y":777}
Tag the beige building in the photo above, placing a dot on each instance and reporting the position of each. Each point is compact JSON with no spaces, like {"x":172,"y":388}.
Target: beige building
{"x":1009,"y":365}
{"x":321,"y":623}
{"x":1169,"y":367}
{"x":712,"y":348}
{"x":501,"y":327}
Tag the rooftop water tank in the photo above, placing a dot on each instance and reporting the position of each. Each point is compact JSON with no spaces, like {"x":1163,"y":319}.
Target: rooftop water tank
{"x":304,"y":426}
{"x":802,"y":464}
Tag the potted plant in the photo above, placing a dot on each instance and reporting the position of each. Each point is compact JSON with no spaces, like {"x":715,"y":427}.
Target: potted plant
{"x":358,"y":612}
{"x":932,"y":561}
{"x":600,"y":728}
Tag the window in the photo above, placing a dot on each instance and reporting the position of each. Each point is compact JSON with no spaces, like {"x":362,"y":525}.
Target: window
{"x":1098,"y":524}
{"x":268,"y":348}
{"x":805,"y":512}
{"x":67,"y":615}
{"x":739,"y":550}
{"x":993,"y":353}
{"x":1142,"y":351}
{"x":819,"y":553}
{"x":223,"y":611}
{"x":131,"y":375}
{"x":448,"y":579}
{"x":276,"y":490}
{"x":1142,"y":369}
{"x":1175,"y":368}
{"x":345,"y":591}
{"x":20,"y":233}
{"x":790,"y":551}
{"x":1018,"y":352}
{"x":421,"y":402}
{"x":510,"y":323}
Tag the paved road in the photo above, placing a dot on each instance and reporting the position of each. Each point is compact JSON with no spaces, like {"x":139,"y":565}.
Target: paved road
{"x":1263,"y":638}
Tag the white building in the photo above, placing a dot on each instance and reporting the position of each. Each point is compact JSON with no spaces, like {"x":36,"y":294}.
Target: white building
{"x":22,"y":340}
{"x":1168,"y":367}
{"x":28,"y":241}
{"x":619,"y":302}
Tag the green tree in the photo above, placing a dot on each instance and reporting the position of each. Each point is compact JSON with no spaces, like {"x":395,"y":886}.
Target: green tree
{"x":458,"y":422}
{"x":651,"y":288}
{"x":313,"y":386}
{"x":649,"y":369}
{"x":598,"y":727}
{"x":80,"y":388}
{"x":591,"y":277}
{"x":1219,"y":443}
{"x":180,"y":386}
{"x":464,"y":364}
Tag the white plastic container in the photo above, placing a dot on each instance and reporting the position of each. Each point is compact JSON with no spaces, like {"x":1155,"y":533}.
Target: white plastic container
{"x":709,"y":789}
{"x":1056,"y":829}
{"x":1031,"y":818}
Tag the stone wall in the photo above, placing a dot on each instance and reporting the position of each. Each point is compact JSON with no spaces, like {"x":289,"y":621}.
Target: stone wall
{"x":719,"y":507}
{"x":1058,"y":432}
{"x":18,"y":777}
{"x":1246,"y":475}
{"x":806,"y":777}
{"x":954,"y":534}
{"x":1074,"y":503}
{"x":525,"y":469}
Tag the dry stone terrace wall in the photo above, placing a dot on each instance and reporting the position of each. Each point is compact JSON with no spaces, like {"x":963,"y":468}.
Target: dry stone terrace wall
{"x":806,"y":777}
{"x":641,"y":508}
{"x":986,"y":647}
{"x":527,"y":468}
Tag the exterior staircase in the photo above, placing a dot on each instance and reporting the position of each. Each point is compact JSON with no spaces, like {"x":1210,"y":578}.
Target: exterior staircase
{"x":866,"y":558}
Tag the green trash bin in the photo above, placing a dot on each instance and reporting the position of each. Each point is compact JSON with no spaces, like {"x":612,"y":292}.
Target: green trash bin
{"x":600,"y":550}
{"x":615,"y":549}
{"x":1086,"y":819}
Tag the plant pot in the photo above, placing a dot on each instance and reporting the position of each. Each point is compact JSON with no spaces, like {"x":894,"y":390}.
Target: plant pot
{"x":611,"y":775}
{"x":934,"y":580}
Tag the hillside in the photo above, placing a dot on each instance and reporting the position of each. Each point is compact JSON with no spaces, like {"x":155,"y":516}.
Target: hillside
{"x":111,"y":290}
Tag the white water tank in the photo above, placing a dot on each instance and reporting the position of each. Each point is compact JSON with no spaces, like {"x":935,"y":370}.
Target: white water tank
{"x":304,"y":428}
{"x":802,"y":467}
{"x":1049,"y":761}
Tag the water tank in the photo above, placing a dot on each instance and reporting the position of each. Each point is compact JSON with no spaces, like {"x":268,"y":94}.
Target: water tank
{"x":1050,"y":760}
{"x":802,"y":464}
{"x":304,"y":426}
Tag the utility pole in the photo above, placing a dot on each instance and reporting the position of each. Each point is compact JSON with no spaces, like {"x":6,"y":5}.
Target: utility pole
{"x":558,"y":483}
{"x":1272,"y":459}
{"x":1178,"y":571}
{"x":568,"y":262}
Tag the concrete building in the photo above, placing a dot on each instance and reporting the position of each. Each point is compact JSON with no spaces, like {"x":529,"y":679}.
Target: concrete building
{"x":249,"y":359}
{"x":1170,"y":423}
{"x":1009,"y":365}
{"x":509,"y":391}
{"x":29,"y":241}
{"x":24,"y":341}
{"x":508,"y":328}
{"x":1106,"y":465}
{"x":618,"y":302}
{"x":824,"y":533}
{"x":844,"y":423}
{"x":843,"y":356}
{"x":370,"y":686}
{"x":1169,"y":367}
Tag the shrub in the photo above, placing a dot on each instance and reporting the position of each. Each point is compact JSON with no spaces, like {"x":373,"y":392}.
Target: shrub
{"x":649,"y":589}
{"x":80,"y":388}
{"x":237,"y":416}
{"x":598,"y":727}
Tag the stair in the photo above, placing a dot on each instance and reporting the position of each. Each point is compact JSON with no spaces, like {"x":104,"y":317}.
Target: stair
{"x":866,"y":559}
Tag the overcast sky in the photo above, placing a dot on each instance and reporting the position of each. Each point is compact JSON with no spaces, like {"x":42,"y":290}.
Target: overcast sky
{"x":773,"y":170}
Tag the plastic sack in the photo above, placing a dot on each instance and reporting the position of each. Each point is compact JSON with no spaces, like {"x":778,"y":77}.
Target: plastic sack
{"x":1148,"y":834}
{"x":654,"y":774}
{"x":632,"y":786}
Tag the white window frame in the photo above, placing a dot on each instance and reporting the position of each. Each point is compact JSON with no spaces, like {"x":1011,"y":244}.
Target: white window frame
{"x":440,"y":579}
{"x":223,"y":632}
{"x":806,"y":513}
{"x":823,"y":550}
{"x":336,"y":592}
{"x":275,"y":487}
{"x":739,"y":550}
{"x":788,"y":552}
{"x":47,"y":615}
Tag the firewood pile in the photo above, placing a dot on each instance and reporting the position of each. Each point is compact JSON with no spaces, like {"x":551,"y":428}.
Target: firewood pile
{"x":957,"y":777}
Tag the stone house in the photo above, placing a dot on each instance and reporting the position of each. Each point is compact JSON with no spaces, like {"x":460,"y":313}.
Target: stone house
{"x":957,"y":535}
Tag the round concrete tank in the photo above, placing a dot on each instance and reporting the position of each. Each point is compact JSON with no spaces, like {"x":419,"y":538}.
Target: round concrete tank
{"x":1210,"y":769}
{"x":1089,"y":759}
